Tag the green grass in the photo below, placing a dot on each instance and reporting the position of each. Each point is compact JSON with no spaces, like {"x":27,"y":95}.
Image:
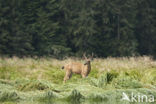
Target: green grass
{"x":33,"y":81}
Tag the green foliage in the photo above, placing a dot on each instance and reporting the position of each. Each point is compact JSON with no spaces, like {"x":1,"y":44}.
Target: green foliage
{"x":60,"y":28}
{"x":134,"y":74}
{"x":31,"y":85}
{"x":55,"y":75}
{"x":100,"y":82}
{"x":8,"y":96}
{"x":94,"y":73}
{"x":75,"y":96}
{"x":103,"y":79}
{"x":99,"y":97}
{"x":8,"y":72}
{"x":126,"y":82}
{"x":42,"y":81}
{"x":150,"y":76}
{"x":47,"y":96}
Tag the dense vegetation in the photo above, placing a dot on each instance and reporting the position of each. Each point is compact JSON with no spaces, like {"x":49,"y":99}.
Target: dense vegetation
{"x":40,"y":81}
{"x":70,"y":27}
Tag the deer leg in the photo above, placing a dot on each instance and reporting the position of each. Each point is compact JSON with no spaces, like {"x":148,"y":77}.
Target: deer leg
{"x":83,"y":75}
{"x":67,"y":76}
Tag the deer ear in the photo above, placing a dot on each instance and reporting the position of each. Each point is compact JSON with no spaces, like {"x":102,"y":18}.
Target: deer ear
{"x":85,"y":63}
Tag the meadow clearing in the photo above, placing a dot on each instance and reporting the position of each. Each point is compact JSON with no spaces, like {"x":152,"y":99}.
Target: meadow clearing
{"x":40,"y":81}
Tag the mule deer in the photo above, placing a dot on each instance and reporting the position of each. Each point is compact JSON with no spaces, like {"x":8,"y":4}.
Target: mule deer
{"x":78,"y":68}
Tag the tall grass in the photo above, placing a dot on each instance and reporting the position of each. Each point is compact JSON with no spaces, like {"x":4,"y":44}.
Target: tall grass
{"x":42,"y":79}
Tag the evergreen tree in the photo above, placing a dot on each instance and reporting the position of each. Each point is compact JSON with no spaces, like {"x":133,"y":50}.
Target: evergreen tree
{"x":145,"y":27}
{"x":79,"y":24}
{"x":67,"y":27}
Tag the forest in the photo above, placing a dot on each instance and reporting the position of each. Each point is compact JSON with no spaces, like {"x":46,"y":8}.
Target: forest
{"x":59,"y":28}
{"x":39,"y":37}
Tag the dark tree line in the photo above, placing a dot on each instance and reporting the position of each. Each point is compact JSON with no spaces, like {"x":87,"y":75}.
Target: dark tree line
{"x":70,"y":27}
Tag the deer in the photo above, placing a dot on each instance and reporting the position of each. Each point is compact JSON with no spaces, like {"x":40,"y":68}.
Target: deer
{"x":78,"y":68}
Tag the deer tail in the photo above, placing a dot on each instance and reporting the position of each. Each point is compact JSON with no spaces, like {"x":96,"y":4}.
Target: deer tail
{"x":62,"y":67}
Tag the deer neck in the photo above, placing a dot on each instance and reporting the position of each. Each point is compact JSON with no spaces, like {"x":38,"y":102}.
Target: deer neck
{"x":89,"y":66}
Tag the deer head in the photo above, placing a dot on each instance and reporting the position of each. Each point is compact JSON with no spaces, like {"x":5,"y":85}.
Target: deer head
{"x":87,"y":60}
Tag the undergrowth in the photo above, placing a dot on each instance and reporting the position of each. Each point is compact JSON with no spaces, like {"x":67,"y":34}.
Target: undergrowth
{"x":41,"y":80}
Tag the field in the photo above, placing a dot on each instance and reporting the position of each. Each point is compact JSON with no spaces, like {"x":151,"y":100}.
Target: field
{"x":40,"y":81}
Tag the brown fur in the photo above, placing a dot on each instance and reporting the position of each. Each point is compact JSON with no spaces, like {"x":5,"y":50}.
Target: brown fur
{"x":78,"y":68}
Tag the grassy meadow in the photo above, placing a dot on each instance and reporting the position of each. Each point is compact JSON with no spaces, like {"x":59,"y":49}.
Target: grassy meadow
{"x":40,"y":81}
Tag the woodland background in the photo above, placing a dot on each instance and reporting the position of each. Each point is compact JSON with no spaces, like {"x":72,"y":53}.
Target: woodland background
{"x":61,"y":28}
